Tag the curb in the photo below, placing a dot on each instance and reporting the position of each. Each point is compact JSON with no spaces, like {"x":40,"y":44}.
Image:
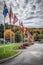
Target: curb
{"x":3,"y":60}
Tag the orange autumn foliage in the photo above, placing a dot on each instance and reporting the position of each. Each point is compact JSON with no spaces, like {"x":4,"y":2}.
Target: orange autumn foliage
{"x":7,"y":34}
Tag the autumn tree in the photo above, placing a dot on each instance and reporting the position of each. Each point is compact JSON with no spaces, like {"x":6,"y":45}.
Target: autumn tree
{"x":7,"y":34}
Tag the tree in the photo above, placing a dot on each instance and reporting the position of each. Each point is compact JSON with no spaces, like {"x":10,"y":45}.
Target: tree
{"x":18,"y":37}
{"x":7,"y":34}
{"x":1,"y":30}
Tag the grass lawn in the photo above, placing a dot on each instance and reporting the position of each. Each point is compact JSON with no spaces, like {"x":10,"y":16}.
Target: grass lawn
{"x":8,"y":51}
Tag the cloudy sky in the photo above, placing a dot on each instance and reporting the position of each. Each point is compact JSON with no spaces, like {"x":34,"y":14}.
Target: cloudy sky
{"x":30,"y":12}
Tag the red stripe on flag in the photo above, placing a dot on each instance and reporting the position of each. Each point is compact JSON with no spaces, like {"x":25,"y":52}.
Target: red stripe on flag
{"x":15,"y":19}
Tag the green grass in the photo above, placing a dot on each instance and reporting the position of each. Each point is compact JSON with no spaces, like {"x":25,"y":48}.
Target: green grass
{"x":8,"y":47}
{"x":8,"y":51}
{"x":8,"y":54}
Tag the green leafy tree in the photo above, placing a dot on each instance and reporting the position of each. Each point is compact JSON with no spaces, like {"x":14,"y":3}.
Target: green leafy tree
{"x":18,"y":37}
{"x":1,"y":30}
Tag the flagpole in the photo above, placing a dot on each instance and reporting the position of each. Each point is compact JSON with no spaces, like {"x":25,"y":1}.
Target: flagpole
{"x":5,"y":11}
{"x":4,"y":35}
{"x":14,"y":33}
{"x":10,"y":28}
{"x":21,"y":30}
{"x":15,"y":20}
{"x":10,"y":34}
{"x":4,"y":31}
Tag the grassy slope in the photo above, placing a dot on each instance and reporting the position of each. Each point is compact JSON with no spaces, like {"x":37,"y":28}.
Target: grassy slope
{"x":8,"y":51}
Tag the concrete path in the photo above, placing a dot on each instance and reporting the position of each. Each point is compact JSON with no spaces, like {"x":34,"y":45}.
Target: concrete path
{"x":33,"y":55}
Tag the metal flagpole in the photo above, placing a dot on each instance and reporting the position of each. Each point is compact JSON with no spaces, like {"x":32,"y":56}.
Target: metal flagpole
{"x":24,"y":36}
{"x":21,"y":29}
{"x":10,"y":28}
{"x":14,"y":33}
{"x":15,"y":20}
{"x":10,"y":34}
{"x":4,"y":31}
{"x":4,"y":34}
{"x":5,"y":11}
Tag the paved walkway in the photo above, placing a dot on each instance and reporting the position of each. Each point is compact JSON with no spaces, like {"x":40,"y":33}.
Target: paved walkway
{"x":33,"y":55}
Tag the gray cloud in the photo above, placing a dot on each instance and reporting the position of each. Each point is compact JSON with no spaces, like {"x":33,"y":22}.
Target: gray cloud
{"x":31,"y":17}
{"x":38,"y":1}
{"x":26,"y":1}
{"x":1,"y":3}
{"x":33,"y":7}
{"x":32,"y":13}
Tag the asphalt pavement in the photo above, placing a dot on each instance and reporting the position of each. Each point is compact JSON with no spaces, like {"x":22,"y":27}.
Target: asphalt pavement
{"x":33,"y":55}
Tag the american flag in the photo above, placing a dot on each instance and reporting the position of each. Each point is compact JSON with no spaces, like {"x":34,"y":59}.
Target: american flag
{"x":15,"y":19}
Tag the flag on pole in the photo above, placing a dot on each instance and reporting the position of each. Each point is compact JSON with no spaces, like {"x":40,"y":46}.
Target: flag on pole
{"x":10,"y":14}
{"x":21,"y":25}
{"x":5,"y":10}
{"x":15,"y":19}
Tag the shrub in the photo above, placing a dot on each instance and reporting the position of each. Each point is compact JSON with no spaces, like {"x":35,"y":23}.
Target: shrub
{"x":41,"y":36}
{"x":18,"y":37}
{"x":22,"y":47}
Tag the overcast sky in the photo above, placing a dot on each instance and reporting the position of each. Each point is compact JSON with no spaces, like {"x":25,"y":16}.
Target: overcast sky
{"x":30,"y":12}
